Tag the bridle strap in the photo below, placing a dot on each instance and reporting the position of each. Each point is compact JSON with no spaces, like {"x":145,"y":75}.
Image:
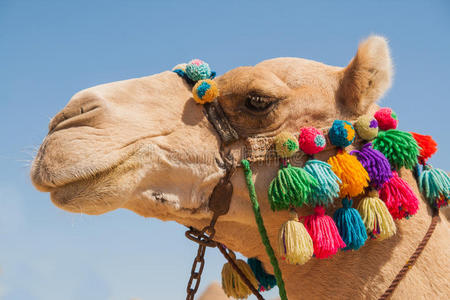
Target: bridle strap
{"x":412,"y":260}
{"x":217,"y":118}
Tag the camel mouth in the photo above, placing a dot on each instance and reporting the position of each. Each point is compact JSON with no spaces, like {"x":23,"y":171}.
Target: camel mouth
{"x":260,"y":105}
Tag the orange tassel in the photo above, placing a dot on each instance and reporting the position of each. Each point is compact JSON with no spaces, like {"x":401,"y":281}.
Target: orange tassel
{"x":352,"y":173}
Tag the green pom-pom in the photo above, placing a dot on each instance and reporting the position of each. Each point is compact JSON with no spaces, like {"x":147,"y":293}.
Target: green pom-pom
{"x":399,"y":147}
{"x":292,"y":187}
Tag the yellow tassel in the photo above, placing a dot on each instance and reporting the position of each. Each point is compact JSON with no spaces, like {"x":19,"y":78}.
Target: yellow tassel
{"x":376,"y":217}
{"x":352,"y":173}
{"x":294,"y":242}
{"x":232,"y":284}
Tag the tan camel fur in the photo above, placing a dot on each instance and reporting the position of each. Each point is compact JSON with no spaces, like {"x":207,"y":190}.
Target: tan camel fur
{"x":145,"y":145}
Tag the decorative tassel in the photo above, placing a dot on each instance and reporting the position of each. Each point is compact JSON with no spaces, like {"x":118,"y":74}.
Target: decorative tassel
{"x":350,"y":225}
{"x":399,"y":198}
{"x":292,"y":187}
{"x":376,"y":217}
{"x":399,"y":147}
{"x":294,"y":242}
{"x":375,"y":163}
{"x":434,"y":184}
{"x":353,"y":175}
{"x":427,"y":146}
{"x":324,"y":233}
{"x":328,"y":188}
{"x":266,"y":280}
{"x":232,"y":284}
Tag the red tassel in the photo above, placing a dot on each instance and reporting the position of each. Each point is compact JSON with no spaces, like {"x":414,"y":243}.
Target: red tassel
{"x":399,"y":197}
{"x":324,"y":233}
{"x":427,"y":146}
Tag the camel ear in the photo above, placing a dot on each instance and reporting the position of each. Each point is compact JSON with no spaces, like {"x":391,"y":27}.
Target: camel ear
{"x":368,"y":76}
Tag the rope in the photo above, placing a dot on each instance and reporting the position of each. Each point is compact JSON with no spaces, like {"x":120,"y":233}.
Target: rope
{"x":412,"y":260}
{"x":262,"y":229}
{"x":239,"y":271}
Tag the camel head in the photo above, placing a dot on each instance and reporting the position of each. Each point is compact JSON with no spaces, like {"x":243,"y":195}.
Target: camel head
{"x":145,"y":145}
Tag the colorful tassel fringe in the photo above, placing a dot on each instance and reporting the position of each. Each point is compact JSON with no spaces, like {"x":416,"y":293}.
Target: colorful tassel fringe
{"x":294,"y":242}
{"x":434,"y":184}
{"x":328,"y":188}
{"x":399,"y":197}
{"x":375,"y":163}
{"x":399,"y":147}
{"x":427,"y":146}
{"x":292,"y":187}
{"x":266,"y":280}
{"x":353,"y":175}
{"x":232,"y":284}
{"x":350,"y":225}
{"x":324,"y":233}
{"x":376,"y":217}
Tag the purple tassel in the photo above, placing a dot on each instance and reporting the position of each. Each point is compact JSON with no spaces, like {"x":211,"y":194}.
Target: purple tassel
{"x":375,"y":163}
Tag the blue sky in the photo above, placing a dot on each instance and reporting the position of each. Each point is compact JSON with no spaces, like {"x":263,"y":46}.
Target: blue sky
{"x":51,"y":49}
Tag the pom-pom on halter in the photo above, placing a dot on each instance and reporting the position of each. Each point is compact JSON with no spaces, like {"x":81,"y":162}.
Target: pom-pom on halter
{"x":387,"y":119}
{"x":427,"y":146}
{"x":350,"y":225}
{"x":328,"y":188}
{"x":434,"y":184}
{"x":367,"y":127}
{"x":266,"y":281}
{"x":399,"y":197}
{"x":324,"y":233}
{"x":341,"y":133}
{"x":375,"y":163}
{"x":205,"y":91}
{"x":197,"y":70}
{"x":232,"y":284}
{"x":376,"y":217}
{"x":295,"y":245}
{"x":311,"y":140}
{"x":285,"y":144}
{"x":399,"y":147}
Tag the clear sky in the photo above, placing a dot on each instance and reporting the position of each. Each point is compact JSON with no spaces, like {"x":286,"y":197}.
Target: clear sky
{"x":51,"y":49}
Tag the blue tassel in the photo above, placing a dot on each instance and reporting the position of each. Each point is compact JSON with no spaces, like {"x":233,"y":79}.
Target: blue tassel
{"x":266,"y":280}
{"x":434,"y":184}
{"x":328,"y":188}
{"x":350,"y":225}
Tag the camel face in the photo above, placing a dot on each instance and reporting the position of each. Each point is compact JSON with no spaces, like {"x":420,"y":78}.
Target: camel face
{"x":144,"y":144}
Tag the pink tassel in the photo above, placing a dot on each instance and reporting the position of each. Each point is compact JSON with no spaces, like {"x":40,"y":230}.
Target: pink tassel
{"x":324,"y":233}
{"x":399,"y":198}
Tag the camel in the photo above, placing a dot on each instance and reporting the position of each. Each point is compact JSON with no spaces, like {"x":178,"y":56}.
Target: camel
{"x":144,"y":144}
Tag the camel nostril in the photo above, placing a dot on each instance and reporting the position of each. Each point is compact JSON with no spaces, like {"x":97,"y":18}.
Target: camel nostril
{"x":77,"y":112}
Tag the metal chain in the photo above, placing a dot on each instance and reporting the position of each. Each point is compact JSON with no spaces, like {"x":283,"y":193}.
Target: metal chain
{"x":204,"y":239}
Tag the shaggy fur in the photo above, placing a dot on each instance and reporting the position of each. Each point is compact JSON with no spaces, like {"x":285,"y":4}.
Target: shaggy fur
{"x":145,"y":145}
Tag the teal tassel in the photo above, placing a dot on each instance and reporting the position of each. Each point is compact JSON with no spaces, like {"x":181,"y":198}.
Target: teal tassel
{"x":328,"y":188}
{"x":292,"y":187}
{"x":434,"y":184}
{"x":266,"y":280}
{"x":350,"y":225}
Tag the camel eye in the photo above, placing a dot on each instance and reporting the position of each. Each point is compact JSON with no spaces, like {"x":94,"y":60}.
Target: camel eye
{"x":260,"y":104}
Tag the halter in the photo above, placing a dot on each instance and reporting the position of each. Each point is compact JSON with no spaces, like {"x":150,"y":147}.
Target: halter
{"x":266,"y":149}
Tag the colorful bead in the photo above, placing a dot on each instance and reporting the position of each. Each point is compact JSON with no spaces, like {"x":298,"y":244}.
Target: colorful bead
{"x":367,"y":127}
{"x":311,"y":140}
{"x":205,"y":91}
{"x":342,"y":133}
{"x":387,"y":119}
{"x":197,"y":70}
{"x":285,"y":144}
